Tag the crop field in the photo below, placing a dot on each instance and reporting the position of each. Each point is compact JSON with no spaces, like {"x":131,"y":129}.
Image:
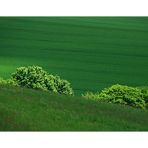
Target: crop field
{"x":90,"y":52}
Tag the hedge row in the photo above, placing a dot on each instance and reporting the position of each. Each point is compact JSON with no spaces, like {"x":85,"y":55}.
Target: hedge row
{"x":37,"y":78}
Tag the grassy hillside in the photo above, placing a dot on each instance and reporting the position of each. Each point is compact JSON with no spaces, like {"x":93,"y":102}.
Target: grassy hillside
{"x":25,"y":109}
{"x":90,"y":52}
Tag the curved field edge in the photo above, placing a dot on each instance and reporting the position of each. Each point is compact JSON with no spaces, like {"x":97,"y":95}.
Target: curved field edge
{"x":23,"y":109}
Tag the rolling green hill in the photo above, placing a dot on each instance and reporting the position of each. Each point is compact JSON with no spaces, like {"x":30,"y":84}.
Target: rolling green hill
{"x":24,"y":109}
{"x":90,"y":52}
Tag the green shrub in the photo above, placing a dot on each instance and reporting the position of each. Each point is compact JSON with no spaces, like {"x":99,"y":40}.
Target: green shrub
{"x":8,"y":82}
{"x":31,"y":77}
{"x":35,"y":77}
{"x":144,"y":90}
{"x":91,"y":95}
{"x":62,"y":86}
{"x":58,"y":85}
{"x":120,"y":94}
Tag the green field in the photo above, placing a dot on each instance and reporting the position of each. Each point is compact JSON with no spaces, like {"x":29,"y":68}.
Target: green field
{"x":30,"y":110}
{"x":90,"y":52}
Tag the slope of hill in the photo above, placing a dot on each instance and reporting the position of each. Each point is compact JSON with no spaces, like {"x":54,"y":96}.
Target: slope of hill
{"x":90,"y":52}
{"x":24,"y":109}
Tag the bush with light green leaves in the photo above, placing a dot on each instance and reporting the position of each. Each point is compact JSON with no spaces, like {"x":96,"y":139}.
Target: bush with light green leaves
{"x":144,"y":90}
{"x":119,"y":94}
{"x":37,"y":78}
{"x":58,"y":85}
{"x":8,"y":82}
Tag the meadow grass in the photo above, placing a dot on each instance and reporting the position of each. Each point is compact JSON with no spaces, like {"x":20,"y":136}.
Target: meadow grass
{"x":23,"y":109}
{"x":90,"y":52}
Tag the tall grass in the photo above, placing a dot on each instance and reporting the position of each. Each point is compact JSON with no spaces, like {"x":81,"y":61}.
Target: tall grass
{"x":24,"y":109}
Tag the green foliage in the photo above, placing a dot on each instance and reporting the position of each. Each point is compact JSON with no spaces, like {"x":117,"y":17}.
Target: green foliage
{"x":58,"y":85}
{"x":31,"y":77}
{"x":144,"y":90}
{"x":35,"y":77}
{"x":8,"y":82}
{"x":91,"y":95}
{"x":120,"y":94}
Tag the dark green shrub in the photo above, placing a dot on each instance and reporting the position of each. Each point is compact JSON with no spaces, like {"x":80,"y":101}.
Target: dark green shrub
{"x":120,"y":94}
{"x":35,"y":77}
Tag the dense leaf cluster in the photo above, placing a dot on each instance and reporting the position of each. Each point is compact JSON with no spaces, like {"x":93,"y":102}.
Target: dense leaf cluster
{"x":120,"y":94}
{"x":8,"y":82}
{"x":37,"y":78}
